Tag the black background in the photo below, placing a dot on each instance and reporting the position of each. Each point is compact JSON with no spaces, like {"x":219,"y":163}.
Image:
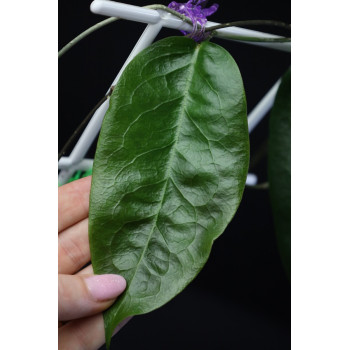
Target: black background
{"x":241,"y":298}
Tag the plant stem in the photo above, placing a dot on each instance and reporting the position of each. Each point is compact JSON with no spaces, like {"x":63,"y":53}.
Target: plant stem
{"x":85,"y":34}
{"x":113,"y":19}
{"x":187,"y":20}
{"x":173,"y":12}
{"x":82,"y":125}
{"x":249,"y":38}
{"x":255,"y":39}
{"x":231,"y":24}
{"x":248,"y":23}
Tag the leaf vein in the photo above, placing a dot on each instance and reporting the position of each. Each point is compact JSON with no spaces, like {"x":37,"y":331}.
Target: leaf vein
{"x":193,"y":61}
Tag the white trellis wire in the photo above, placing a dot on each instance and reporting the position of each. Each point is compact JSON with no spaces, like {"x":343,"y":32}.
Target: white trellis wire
{"x":156,"y":20}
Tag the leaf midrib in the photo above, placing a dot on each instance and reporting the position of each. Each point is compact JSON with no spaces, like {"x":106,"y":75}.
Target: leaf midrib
{"x":168,"y":168}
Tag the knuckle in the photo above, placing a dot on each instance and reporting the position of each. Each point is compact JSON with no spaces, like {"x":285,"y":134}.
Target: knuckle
{"x":74,"y":251}
{"x":72,"y":299}
{"x":82,"y":337}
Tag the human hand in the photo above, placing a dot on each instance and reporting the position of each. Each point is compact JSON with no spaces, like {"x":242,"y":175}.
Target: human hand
{"x":82,"y":296}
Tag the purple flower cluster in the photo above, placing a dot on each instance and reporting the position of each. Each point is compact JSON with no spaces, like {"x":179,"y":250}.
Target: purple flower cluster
{"x":195,"y":11}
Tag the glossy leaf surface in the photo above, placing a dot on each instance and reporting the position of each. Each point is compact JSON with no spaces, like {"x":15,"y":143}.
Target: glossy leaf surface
{"x":169,"y":171}
{"x":279,"y":165}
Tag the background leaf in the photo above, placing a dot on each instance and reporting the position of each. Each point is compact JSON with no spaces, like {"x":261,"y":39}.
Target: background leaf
{"x":279,"y":164}
{"x":169,"y":171}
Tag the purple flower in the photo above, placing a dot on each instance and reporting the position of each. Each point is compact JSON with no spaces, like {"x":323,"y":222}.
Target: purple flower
{"x":195,"y":11}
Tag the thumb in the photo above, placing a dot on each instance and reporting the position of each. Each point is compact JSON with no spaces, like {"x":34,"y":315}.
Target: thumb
{"x":81,"y":296}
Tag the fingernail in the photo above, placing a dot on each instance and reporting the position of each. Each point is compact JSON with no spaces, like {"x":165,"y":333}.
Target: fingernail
{"x":105,"y":287}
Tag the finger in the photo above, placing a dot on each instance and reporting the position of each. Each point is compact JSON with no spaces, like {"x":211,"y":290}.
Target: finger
{"x":73,"y":202}
{"x":73,"y":248}
{"x":84,"y":334}
{"x":88,"y":270}
{"x":81,"y":296}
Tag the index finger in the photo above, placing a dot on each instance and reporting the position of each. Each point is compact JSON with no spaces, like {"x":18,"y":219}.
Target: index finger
{"x":73,"y":202}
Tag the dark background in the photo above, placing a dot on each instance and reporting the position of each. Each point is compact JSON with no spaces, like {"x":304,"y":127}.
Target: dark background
{"x":241,"y":298}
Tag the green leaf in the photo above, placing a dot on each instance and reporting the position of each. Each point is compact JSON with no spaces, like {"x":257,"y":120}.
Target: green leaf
{"x":169,"y":171}
{"x":279,"y":167}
